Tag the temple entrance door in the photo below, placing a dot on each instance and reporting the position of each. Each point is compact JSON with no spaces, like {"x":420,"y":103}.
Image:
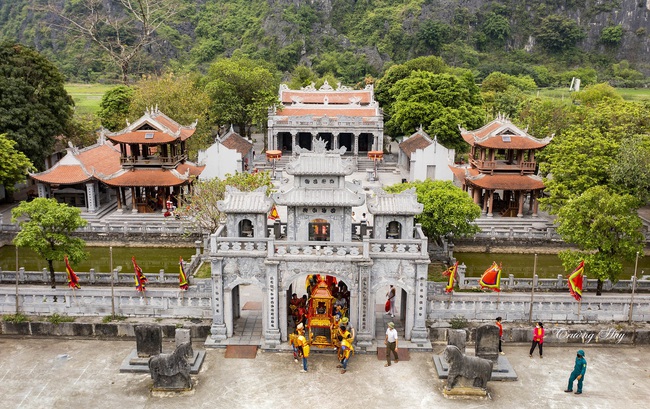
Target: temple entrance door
{"x":365,"y":142}
{"x":345,"y":139}
{"x":304,"y":140}
{"x":382,"y":318}
{"x":327,"y":137}
{"x":246,"y":303}
{"x":285,"y":142}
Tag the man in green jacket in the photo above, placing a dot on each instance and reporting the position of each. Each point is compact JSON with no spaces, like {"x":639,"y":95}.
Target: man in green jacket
{"x":578,"y":372}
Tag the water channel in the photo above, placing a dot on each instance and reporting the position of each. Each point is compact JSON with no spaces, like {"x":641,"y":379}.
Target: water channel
{"x":151,"y":260}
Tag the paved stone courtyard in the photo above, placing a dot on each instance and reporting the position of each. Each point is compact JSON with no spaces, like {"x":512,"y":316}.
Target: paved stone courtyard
{"x":59,"y":373}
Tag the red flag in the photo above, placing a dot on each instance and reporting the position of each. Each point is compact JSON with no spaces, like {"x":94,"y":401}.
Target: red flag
{"x":492,"y":278}
{"x":451,"y":273}
{"x":140,"y":278}
{"x":182,"y":277}
{"x":273,"y":214}
{"x":73,"y":280}
{"x":575,"y":281}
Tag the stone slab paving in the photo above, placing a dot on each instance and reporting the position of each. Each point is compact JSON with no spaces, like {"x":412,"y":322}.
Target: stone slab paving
{"x":58,"y":373}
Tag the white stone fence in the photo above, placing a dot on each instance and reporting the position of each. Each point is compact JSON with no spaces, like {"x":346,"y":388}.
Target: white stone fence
{"x":94,"y":277}
{"x":97,"y":301}
{"x":165,"y":227}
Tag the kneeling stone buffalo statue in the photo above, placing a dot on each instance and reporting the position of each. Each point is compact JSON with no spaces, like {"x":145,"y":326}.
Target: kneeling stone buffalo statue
{"x":477,"y":370}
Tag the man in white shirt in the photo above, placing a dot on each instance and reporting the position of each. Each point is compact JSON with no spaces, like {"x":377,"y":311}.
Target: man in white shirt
{"x":391,"y":343}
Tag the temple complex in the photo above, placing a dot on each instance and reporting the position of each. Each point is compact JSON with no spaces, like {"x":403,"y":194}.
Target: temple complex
{"x":320,"y":237}
{"x":502,"y":172}
{"x":147,"y":161}
{"x":342,"y":117}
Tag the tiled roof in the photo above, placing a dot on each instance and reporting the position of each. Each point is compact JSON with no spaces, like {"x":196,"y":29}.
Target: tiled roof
{"x":232,"y":140}
{"x":165,"y":130}
{"x":404,"y":203}
{"x":352,"y":195}
{"x":194,"y":169}
{"x":155,"y":137}
{"x":146,"y":177}
{"x":63,"y":175}
{"x":330,"y":111}
{"x":327,"y":164}
{"x":81,"y":166}
{"x":103,"y":158}
{"x":498,"y":181}
{"x":363,"y":97}
{"x":418,"y":140}
{"x":502,"y":134}
{"x":236,"y":201}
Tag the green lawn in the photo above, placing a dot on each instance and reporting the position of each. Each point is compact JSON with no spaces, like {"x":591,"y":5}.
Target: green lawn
{"x":87,"y":96}
{"x":628,"y":94}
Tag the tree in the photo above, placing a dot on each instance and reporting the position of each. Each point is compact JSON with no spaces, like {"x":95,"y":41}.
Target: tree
{"x":200,"y":207}
{"x":448,"y":211}
{"x":612,"y":35}
{"x":499,"y":82}
{"x":34,"y":106}
{"x":114,"y":107}
{"x":122,"y":32}
{"x":496,"y":27}
{"x":558,"y":33}
{"x":241,"y":90}
{"x":46,"y":227}
{"x":630,"y":171}
{"x":597,"y":93}
{"x":433,"y":34}
{"x":14,"y":165}
{"x":438,"y":102}
{"x":606,"y":229}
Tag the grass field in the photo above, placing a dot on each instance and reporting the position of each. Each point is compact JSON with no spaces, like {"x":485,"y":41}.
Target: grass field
{"x":87,"y":96}
{"x":628,"y":94}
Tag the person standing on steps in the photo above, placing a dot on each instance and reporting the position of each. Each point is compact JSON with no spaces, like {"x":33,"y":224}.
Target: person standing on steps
{"x":391,"y":298}
{"x":391,"y":343}
{"x":538,"y":339}
{"x":498,"y":324}
{"x":578,"y":373}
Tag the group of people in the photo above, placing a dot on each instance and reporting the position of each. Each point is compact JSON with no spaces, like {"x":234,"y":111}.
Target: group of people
{"x":343,"y":338}
{"x":580,"y":366}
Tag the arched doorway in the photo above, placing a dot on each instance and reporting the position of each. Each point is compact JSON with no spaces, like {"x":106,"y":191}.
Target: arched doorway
{"x":245,"y":325}
{"x":304,"y":140}
{"x":382,"y":318}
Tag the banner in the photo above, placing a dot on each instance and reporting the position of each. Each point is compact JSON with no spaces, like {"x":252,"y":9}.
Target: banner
{"x":182,"y":278}
{"x":140,"y":278}
{"x":575,"y":281}
{"x":492,"y":277}
{"x":73,"y":280}
{"x":273,"y":214}
{"x":451,"y":273}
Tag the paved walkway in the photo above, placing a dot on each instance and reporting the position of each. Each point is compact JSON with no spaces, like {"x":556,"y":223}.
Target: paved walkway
{"x":58,"y":373}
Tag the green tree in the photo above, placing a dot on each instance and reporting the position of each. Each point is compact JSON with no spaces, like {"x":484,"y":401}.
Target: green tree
{"x":497,"y":28}
{"x":597,"y":93}
{"x":433,"y":34}
{"x":14,"y":165}
{"x":82,"y":130}
{"x":114,"y":107}
{"x":179,"y":97}
{"x":499,"y":82}
{"x":46,"y":227}
{"x":630,"y":170}
{"x":438,"y":102}
{"x":241,"y":90}
{"x":448,"y":210}
{"x":606,"y":229}
{"x":34,"y":106}
{"x":558,"y":33}
{"x":612,"y":35}
{"x":200,"y":208}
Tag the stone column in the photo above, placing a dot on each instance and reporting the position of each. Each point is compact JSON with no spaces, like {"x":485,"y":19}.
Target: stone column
{"x":356,"y":144}
{"x":118,"y":196}
{"x":218,"y":330}
{"x":294,"y":142}
{"x":491,"y":205}
{"x":419,"y":333}
{"x":485,"y":201}
{"x":90,"y":197}
{"x":134,"y":200}
{"x":314,"y":136}
{"x":375,"y":143}
{"x":335,"y":140}
{"x":535,"y":203}
{"x":477,"y":194}
{"x":365,"y":307}
{"x":520,"y":197}
{"x":42,"y":190}
{"x":271,"y":312}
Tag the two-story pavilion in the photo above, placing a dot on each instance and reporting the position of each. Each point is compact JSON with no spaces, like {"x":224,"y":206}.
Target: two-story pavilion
{"x":502,"y":168}
{"x":319,"y":239}
{"x":340,"y":117}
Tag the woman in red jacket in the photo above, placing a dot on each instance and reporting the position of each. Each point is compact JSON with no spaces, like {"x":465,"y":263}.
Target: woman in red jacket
{"x":538,"y":339}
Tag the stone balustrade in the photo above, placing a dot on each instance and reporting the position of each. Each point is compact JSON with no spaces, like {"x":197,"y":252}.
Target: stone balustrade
{"x":97,"y":301}
{"x":165,"y":227}
{"x":400,"y":248}
{"x":319,"y":249}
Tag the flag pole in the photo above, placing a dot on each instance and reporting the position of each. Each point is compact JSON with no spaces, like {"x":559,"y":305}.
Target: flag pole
{"x":636,"y":264}
{"x":17,"y":302}
{"x":532,"y":291}
{"x":110,"y":252}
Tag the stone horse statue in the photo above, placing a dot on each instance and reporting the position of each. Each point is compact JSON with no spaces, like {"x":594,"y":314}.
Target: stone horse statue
{"x":477,"y":370}
{"x":172,"y":371}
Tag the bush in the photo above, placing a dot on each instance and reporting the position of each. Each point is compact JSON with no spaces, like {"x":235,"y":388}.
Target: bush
{"x":110,"y":318}
{"x":15,"y":318}
{"x":57,"y":319}
{"x":459,"y":322}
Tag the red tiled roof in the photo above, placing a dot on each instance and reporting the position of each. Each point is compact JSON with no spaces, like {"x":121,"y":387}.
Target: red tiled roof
{"x":415,"y":142}
{"x":63,"y":175}
{"x":333,"y":111}
{"x":492,"y":136}
{"x":82,"y":166}
{"x":146,"y":177}
{"x":104,"y":159}
{"x":333,"y":97}
{"x":194,"y":170}
{"x":499,"y":181}
{"x":233,"y":140}
{"x":158,"y":138}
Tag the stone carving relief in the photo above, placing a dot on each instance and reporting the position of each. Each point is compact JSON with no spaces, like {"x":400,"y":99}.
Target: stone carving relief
{"x":244,"y":270}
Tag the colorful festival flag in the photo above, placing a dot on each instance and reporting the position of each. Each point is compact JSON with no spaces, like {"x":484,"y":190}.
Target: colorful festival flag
{"x":182,"y":277}
{"x":451,"y":273}
{"x":273,"y":214}
{"x":492,"y":278}
{"x":140,"y":278}
{"x":575,"y":281}
{"x":73,"y":280}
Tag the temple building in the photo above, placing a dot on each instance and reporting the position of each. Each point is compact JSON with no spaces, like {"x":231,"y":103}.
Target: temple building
{"x":342,"y":117}
{"x":146,"y":161}
{"x":502,"y":172}
{"x":319,"y":237}
{"x":425,"y":158}
{"x":229,"y":154}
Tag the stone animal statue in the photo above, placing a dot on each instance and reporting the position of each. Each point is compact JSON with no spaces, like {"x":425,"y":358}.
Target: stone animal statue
{"x":172,"y":371}
{"x":477,"y":370}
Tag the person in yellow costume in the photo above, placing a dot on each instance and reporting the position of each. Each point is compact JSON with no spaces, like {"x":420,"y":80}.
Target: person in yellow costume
{"x":346,"y":339}
{"x":300,"y":342}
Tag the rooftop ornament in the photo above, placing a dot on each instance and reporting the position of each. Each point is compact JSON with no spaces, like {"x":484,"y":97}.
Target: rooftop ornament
{"x":375,"y":156}
{"x":273,"y":156}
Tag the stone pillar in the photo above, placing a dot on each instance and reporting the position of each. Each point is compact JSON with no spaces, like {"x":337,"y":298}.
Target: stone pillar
{"x":485,"y":202}
{"x":294,"y":142}
{"x":218,"y":330}
{"x":356,"y":144}
{"x":314,"y":136}
{"x":335,"y":140}
{"x":90,"y":197}
{"x":364,"y":309}
{"x":42,"y":190}
{"x":535,"y":203}
{"x":134,"y":200}
{"x":375,"y":143}
{"x":419,"y":333}
{"x":118,"y":196}
{"x":491,"y":205}
{"x":520,"y":196}
{"x":272,"y":312}
{"x":283,"y":314}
